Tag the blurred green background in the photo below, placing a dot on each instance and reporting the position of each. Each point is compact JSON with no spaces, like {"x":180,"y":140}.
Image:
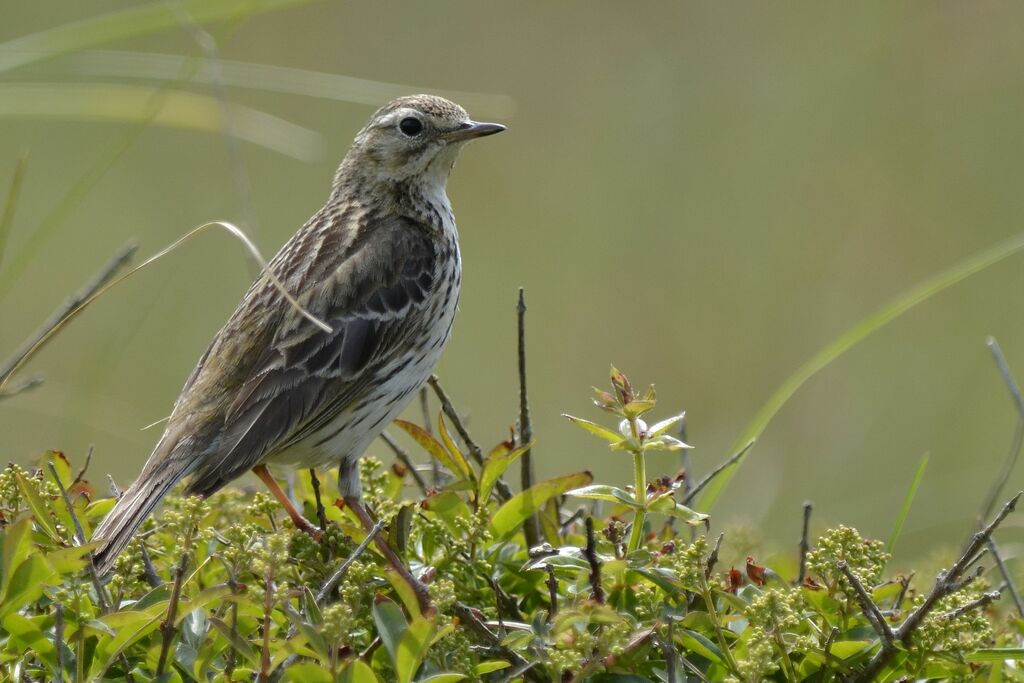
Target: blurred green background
{"x":704,"y":194}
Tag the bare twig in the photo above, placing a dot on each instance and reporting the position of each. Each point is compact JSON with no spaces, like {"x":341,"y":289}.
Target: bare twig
{"x":713,"y":557}
{"x":531,"y":526}
{"x":85,"y":467}
{"x":101,"y":593}
{"x":339,"y":574}
{"x":804,"y":543}
{"x":404,"y":458}
{"x":504,"y":492}
{"x":867,"y":605}
{"x":1004,"y":570}
{"x":980,"y":602}
{"x":167,"y":628}
{"x":470,"y":618}
{"x":946,"y":583}
{"x":715,"y":472}
{"x":446,"y":405}
{"x":552,"y":582}
{"x":904,"y":587}
{"x":1018,"y":433}
{"x":149,"y":571}
{"x":321,"y":512}
{"x":67,"y":308}
{"x":590,"y":552}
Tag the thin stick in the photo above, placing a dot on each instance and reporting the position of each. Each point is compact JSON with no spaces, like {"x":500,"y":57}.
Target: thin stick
{"x":590,"y":552}
{"x":405,"y":459}
{"x":167,"y":625}
{"x":1018,"y":433}
{"x":101,"y":594}
{"x":552,"y":591}
{"x":713,"y":557}
{"x":504,"y":492}
{"x":531,"y":526}
{"x":453,"y":415}
{"x":946,"y":583}
{"x":984,"y":600}
{"x":65,"y":311}
{"x":867,"y":605}
{"x":81,"y":473}
{"x":1006,"y":576}
{"x":718,"y":470}
{"x":321,"y":512}
{"x":804,"y":543}
{"x":339,"y":574}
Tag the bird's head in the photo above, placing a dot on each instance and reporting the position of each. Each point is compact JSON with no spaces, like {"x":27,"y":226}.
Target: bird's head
{"x":415,"y":136}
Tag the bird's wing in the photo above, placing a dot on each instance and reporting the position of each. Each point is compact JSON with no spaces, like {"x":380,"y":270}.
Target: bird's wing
{"x":306,"y":376}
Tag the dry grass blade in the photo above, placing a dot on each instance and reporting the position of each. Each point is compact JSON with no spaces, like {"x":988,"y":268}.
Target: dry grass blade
{"x":179,"y":109}
{"x":272,"y":78}
{"x":236,"y":232}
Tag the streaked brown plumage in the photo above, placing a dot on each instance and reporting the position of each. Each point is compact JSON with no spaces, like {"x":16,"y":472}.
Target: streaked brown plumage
{"x":380,"y":264}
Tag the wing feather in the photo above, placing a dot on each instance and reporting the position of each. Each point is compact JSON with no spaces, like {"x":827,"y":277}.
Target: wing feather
{"x":307,"y":376}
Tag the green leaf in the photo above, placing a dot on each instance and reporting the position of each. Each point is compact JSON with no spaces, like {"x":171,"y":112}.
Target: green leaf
{"x":127,"y":23}
{"x":668,"y":506}
{"x":908,"y":500}
{"x":844,"y":649}
{"x":489,"y":667}
{"x":443,"y":678}
{"x":26,"y":585}
{"x":40,"y":510}
{"x":391,"y":625}
{"x":605,"y":492}
{"x":892,"y":310}
{"x":996,"y":654}
{"x":357,"y":671}
{"x":129,"y":627}
{"x":701,"y":645}
{"x":595,"y":429}
{"x":511,"y":515}
{"x":313,"y":673}
{"x":412,"y":648}
{"x":659,"y":428}
{"x":457,"y":457}
{"x":430,"y":445}
{"x":28,"y":634}
{"x":15,"y":545}
{"x":240,"y":644}
{"x":495,"y":465}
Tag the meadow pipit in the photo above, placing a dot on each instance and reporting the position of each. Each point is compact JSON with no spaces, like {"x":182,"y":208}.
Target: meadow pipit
{"x":380,"y":264}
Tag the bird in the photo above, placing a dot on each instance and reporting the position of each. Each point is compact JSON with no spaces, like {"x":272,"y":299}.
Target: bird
{"x":380,"y":265}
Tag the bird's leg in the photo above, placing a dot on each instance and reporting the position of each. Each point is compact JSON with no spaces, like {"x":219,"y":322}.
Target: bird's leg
{"x":422,"y":595}
{"x":298,"y":520}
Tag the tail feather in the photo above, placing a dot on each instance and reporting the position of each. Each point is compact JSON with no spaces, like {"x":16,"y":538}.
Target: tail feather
{"x":118,"y":528}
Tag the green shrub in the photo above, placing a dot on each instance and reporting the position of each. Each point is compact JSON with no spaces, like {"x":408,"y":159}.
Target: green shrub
{"x":625,"y":589}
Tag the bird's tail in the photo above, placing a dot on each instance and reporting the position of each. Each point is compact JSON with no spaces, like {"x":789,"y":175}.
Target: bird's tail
{"x":158,"y":477}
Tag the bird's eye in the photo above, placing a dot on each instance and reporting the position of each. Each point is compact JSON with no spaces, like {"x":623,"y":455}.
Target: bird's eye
{"x":410,"y":126}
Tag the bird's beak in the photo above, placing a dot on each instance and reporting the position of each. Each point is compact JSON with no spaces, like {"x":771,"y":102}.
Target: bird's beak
{"x":469,"y":130}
